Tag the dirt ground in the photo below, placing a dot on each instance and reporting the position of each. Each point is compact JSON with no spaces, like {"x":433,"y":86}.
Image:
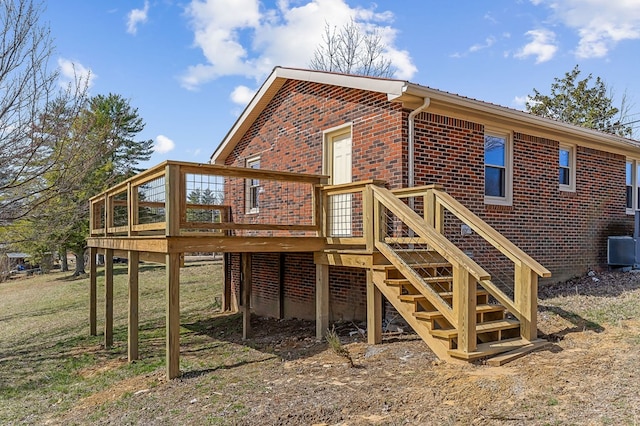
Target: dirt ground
{"x":589,"y":376}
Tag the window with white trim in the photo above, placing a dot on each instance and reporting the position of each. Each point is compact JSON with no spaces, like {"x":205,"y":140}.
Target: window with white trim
{"x":252,"y":187}
{"x":498,"y":174}
{"x":567,"y":168}
{"x":633,"y":185}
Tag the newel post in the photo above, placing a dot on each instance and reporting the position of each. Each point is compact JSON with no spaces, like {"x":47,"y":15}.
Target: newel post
{"x":433,"y":210}
{"x":368,"y":221}
{"x":526,"y":299}
{"x":464,"y":308}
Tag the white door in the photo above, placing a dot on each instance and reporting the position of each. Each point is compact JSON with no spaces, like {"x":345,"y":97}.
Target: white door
{"x":341,"y":173}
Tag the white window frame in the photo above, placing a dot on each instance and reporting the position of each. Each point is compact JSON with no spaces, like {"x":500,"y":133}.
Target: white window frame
{"x":251,"y":186}
{"x":571,"y":187}
{"x":507,"y":200}
{"x":635,"y":185}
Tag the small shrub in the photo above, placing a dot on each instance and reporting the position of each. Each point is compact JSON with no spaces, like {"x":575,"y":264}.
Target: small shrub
{"x":334,"y":342}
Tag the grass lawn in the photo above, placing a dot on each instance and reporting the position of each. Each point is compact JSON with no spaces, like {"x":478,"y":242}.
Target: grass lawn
{"x":48,"y":360}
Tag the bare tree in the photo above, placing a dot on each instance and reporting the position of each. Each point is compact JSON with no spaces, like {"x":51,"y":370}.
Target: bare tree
{"x":35,"y":115}
{"x":352,"y":50}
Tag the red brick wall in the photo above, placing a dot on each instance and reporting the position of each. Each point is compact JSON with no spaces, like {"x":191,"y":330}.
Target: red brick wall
{"x":564,"y":231}
{"x":288,"y":135}
{"x":347,"y":288}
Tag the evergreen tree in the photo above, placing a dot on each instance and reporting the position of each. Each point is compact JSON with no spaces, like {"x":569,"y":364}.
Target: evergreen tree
{"x":582,"y":103}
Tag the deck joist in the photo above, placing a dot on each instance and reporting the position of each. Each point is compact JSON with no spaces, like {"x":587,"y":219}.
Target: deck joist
{"x":168,"y":245}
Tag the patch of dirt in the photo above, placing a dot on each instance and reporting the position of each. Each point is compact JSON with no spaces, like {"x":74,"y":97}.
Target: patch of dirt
{"x":282,"y":376}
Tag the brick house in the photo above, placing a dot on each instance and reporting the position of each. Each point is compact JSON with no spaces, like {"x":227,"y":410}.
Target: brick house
{"x":555,"y":190}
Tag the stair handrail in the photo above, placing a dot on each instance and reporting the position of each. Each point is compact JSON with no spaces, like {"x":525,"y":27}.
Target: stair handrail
{"x":435,"y":239}
{"x":493,"y":237}
{"x":462,"y":315}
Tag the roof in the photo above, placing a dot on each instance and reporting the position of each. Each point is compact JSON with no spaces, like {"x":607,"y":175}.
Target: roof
{"x":18,"y":255}
{"x":412,"y":96}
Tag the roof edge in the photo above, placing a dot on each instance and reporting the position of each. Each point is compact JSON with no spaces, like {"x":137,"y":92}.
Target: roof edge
{"x":609,"y":139}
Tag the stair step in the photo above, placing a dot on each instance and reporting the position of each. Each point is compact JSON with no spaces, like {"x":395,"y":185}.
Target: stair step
{"x":412,"y":298}
{"x":493,"y":348}
{"x":449,"y":294}
{"x":420,"y":265}
{"x":484,"y":327}
{"x":404,"y":281}
{"x":430,"y":315}
{"x":397,"y":281}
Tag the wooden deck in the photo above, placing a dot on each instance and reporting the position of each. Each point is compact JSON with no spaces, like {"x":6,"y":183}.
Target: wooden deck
{"x":398,"y":237}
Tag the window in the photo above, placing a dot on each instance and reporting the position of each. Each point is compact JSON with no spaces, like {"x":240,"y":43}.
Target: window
{"x":633,"y":185}
{"x":497,"y":168}
{"x":567,"y":168}
{"x":253,"y":187}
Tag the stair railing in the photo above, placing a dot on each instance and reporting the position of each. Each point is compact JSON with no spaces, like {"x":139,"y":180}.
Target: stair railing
{"x":393,"y":220}
{"x":526,"y":270}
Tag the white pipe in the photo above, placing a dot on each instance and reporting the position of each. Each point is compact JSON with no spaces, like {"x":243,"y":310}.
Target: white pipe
{"x":412,"y":148}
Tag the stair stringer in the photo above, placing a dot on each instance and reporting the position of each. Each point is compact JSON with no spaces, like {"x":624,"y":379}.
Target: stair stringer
{"x":438,"y":346}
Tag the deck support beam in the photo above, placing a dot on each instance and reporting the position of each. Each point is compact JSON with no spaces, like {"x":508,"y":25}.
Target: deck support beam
{"x":322,"y":301}
{"x":374,"y":311}
{"x":245,"y":260}
{"x":132,"y":345}
{"x":108,"y":298}
{"x":93,"y":291}
{"x":173,"y":315}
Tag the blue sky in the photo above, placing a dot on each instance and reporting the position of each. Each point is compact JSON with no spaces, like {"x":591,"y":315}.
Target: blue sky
{"x":190,"y":67}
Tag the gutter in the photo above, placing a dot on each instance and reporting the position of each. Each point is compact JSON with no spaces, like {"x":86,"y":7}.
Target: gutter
{"x":412,"y":148}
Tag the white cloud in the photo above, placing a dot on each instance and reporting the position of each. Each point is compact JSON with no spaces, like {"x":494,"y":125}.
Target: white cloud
{"x":600,"y":24}
{"x":75,"y":74}
{"x":137,"y":16}
{"x":163,"y":144}
{"x":246,"y":39}
{"x":242,"y":95}
{"x":520,"y":102}
{"x":542,"y":46}
{"x":488,"y":42}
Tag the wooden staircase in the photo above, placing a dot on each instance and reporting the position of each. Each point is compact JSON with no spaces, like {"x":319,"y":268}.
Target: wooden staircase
{"x":445,"y":296}
{"x":496,"y":331}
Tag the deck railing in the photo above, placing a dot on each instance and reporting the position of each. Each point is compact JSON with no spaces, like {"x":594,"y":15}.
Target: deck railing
{"x":177,"y":199}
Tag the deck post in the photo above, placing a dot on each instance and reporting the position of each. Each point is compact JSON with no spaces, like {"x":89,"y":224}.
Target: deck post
{"x":245,"y":260}
{"x":322,"y":301}
{"x":374,"y":311}
{"x":132,"y":345}
{"x":93,"y":290}
{"x":368,"y":219}
{"x":173,"y":315}
{"x":464,"y":308}
{"x":173,"y":191}
{"x":226,"y":282}
{"x":526,"y":298}
{"x":108,"y":298}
